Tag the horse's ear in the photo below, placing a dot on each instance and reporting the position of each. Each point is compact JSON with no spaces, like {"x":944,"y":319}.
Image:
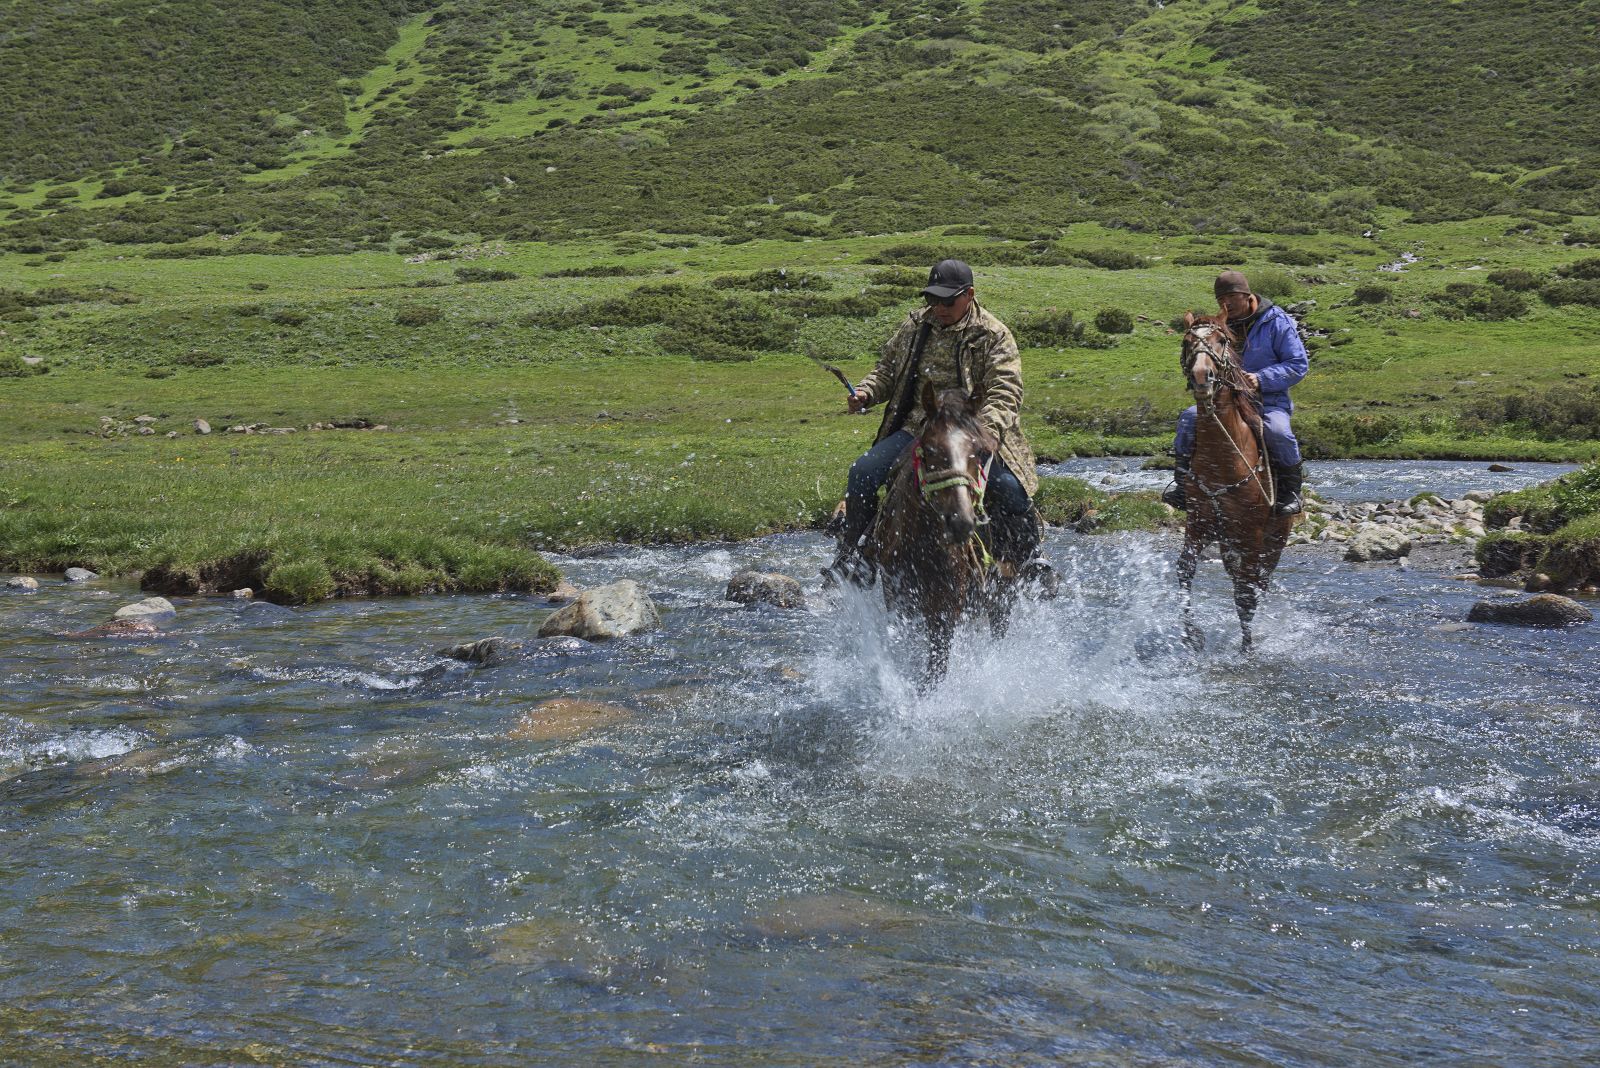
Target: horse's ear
{"x":1188,"y":320}
{"x":930,"y":399}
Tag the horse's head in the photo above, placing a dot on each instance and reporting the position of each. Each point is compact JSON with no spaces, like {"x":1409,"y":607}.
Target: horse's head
{"x":951,"y":460}
{"x":1208,"y":356}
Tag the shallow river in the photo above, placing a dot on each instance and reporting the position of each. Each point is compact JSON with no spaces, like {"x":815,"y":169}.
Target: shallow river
{"x":298,"y":836}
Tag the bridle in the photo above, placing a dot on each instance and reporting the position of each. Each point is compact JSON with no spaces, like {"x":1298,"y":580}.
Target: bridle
{"x":930,"y":482}
{"x":1232,"y":377}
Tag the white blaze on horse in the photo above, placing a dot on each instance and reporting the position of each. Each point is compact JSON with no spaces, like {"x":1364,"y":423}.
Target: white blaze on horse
{"x":1229,"y":485}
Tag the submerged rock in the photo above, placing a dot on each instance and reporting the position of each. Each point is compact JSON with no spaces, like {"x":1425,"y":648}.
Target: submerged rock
{"x":1375,"y":542}
{"x":1545,"y":610}
{"x":151,"y":609}
{"x":559,"y":646}
{"x":119,"y":628}
{"x":605,"y":612}
{"x":564,"y":718}
{"x":23,"y":584}
{"x":564,"y":592}
{"x":485,"y":652}
{"x":79,"y":574}
{"x":756,"y":587}
{"x":832,"y":916}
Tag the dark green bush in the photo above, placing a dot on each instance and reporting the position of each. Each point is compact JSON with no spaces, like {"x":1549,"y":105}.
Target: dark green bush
{"x":1567,"y":411}
{"x":598,"y":270}
{"x":1338,"y":434}
{"x":1588,"y":269}
{"x":1515,"y":279}
{"x":11,"y":366}
{"x":1463,"y":300}
{"x":1294,"y":257}
{"x":1276,"y":284}
{"x":907,"y":277}
{"x":1113,"y":321}
{"x":287,"y":317}
{"x":417,"y":315}
{"x":1580,"y":237}
{"x":1572,"y":291}
{"x":776,"y":278}
{"x":485,"y":274}
{"x":1050,"y":329}
{"x":1372,"y":295}
{"x":1112,"y":259}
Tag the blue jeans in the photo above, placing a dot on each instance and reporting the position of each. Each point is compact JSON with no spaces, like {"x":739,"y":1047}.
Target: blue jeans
{"x":869,"y":473}
{"x":1282,"y":448}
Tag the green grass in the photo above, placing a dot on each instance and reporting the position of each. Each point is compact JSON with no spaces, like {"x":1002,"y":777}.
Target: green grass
{"x":510,"y":438}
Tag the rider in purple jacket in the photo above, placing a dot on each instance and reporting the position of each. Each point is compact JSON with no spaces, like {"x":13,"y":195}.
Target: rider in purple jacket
{"x":1274,"y":359}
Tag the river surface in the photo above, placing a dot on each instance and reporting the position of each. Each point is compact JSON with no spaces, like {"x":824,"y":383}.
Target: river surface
{"x":298,"y":836}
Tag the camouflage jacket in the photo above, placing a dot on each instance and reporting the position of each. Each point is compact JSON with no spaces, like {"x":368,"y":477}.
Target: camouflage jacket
{"x":977,"y":354}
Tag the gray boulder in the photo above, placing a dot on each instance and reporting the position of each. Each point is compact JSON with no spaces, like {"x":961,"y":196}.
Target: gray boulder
{"x":23,"y":584}
{"x":485,"y":652}
{"x":605,"y":612}
{"x":1545,"y":610}
{"x":79,"y":574}
{"x":755,"y":587}
{"x":202,"y":427}
{"x":1377,"y":542}
{"x":151,"y":610}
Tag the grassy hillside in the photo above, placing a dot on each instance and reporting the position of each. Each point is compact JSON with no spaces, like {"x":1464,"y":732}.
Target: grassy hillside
{"x":573,"y":256}
{"x":826,"y":118}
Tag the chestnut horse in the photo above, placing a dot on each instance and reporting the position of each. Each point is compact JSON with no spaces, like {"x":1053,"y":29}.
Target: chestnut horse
{"x":925,"y":543}
{"x":1229,"y":489}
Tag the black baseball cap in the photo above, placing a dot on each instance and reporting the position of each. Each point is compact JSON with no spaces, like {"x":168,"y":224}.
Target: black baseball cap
{"x":948,"y":278}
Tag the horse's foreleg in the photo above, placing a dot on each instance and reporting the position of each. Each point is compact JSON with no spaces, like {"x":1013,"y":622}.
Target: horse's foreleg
{"x":1188,"y":560}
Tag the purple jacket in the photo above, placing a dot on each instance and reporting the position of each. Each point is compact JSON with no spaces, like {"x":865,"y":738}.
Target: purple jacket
{"x":1274,"y":353}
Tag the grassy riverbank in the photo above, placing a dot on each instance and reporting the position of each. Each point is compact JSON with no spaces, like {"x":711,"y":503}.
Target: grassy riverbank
{"x":546,"y":408}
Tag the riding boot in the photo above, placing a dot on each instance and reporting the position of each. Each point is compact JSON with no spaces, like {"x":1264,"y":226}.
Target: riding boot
{"x":1174,"y":494}
{"x":1015,"y":539}
{"x":1286,"y":481}
{"x":848,"y":564}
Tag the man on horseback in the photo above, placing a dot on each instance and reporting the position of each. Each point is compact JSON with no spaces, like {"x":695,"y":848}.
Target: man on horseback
{"x":1275,"y":359}
{"x":952,"y":343}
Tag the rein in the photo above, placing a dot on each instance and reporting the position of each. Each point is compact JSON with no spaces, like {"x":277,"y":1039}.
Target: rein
{"x":1231,"y":379}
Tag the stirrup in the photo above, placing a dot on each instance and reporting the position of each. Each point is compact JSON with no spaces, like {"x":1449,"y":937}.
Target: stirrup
{"x":1174,"y":497}
{"x":1290,"y":506}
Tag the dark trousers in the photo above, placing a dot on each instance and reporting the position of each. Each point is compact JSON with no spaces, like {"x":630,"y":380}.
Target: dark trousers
{"x":871,"y":470}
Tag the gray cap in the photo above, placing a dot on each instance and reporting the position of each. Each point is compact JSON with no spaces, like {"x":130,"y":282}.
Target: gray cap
{"x":1231,"y":282}
{"x":948,"y":278}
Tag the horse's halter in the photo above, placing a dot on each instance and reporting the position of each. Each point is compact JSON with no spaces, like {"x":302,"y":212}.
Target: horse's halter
{"x":1228,"y":375}
{"x":1221,"y":362}
{"x":931,"y":482}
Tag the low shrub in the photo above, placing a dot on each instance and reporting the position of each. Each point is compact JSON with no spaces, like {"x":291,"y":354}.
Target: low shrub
{"x":908,"y":277}
{"x":1338,"y":434}
{"x":1372,"y":295}
{"x":1294,"y":257}
{"x":1276,"y":284}
{"x":768,"y":280}
{"x":598,"y":270}
{"x":1581,"y":237}
{"x":1137,"y":422}
{"x":1566,"y":411}
{"x":1208,"y":259}
{"x":417,"y":315}
{"x":287,"y":317}
{"x":1462,"y":300}
{"x":1051,"y":329}
{"x":1515,"y":279}
{"x":1113,"y":321}
{"x":1571,"y":291}
{"x":486,"y":274}
{"x":1583,"y":269}
{"x":1112,"y":259}
{"x":12,"y":366}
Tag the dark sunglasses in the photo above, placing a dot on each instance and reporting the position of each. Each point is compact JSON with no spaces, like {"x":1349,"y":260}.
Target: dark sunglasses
{"x":943,"y":302}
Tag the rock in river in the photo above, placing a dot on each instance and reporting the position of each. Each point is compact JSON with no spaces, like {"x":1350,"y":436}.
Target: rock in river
{"x":612,"y":611}
{"x":151,"y":609}
{"x":485,"y":652}
{"x":23,"y":584}
{"x":79,"y":574}
{"x":1545,"y":610}
{"x":1376,"y":542}
{"x":755,"y":587}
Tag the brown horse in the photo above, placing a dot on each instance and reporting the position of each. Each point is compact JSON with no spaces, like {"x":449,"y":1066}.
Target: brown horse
{"x":925,"y":543}
{"x":1229,"y":488}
